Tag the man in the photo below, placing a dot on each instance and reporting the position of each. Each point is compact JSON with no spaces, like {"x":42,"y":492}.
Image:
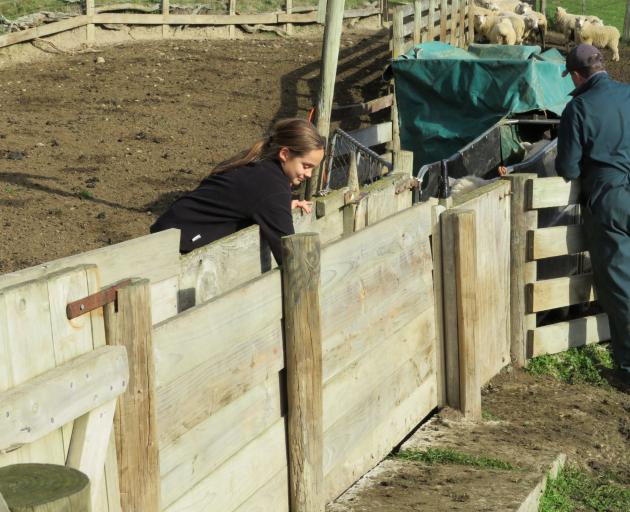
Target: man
{"x":594,"y":145}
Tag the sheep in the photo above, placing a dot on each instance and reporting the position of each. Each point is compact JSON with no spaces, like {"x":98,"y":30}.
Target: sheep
{"x":502,"y":32}
{"x":518,"y":24}
{"x":599,"y":36}
{"x":565,"y":22}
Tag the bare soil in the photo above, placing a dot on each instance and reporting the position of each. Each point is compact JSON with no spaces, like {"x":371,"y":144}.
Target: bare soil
{"x":91,"y":153}
{"x":533,"y":420}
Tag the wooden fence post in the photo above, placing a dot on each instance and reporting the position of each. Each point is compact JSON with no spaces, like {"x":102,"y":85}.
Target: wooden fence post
{"x":328,"y":74}
{"x":128,"y":323}
{"x":626,"y":23}
{"x":431,"y":21}
{"x":398,"y":46}
{"x":288,"y":28}
{"x":232,"y":28}
{"x":454,"y":18}
{"x":443,"y":20}
{"x":543,"y":7}
{"x":459,"y":281}
{"x":165,"y":11}
{"x":417,"y":22}
{"x":90,"y":29}
{"x":522,"y":271}
{"x":438,"y":277}
{"x":303,"y":350}
{"x":465,"y":249}
{"x":471,"y":23}
{"x":462,"y":23}
{"x":403,"y":161}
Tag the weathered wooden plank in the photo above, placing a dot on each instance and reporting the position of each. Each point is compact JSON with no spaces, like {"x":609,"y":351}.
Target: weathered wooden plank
{"x":405,"y":10}
{"x":559,"y":337}
{"x":443,"y":20}
{"x":550,"y":192}
{"x":25,"y":330}
{"x":431,"y":21}
{"x":271,"y":496}
{"x":366,"y":108}
{"x":128,"y":324}
{"x":438,"y":287}
{"x":560,"y":292}
{"x":359,"y":449}
{"x":235,"y":361}
{"x":522,"y":271}
{"x":48,"y":401}
{"x":354,"y":385}
{"x":164,"y":299}
{"x":208,"y":331}
{"x":311,"y":17}
{"x":468,"y":317}
{"x":238,"y":478}
{"x":556,"y":241}
{"x":194,"y":455}
{"x":154,"y":257}
{"x":43,"y":30}
{"x":303,"y":355}
{"x":88,"y":447}
{"x":185,"y":19}
{"x":374,"y":135}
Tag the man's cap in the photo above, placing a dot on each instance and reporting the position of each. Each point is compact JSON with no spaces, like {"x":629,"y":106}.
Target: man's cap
{"x":582,"y":56}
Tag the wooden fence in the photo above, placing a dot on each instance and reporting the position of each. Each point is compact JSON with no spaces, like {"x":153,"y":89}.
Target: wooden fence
{"x":535,"y":245}
{"x":93,"y":17}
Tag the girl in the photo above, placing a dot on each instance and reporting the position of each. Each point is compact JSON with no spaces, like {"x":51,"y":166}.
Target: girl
{"x":252,"y":187}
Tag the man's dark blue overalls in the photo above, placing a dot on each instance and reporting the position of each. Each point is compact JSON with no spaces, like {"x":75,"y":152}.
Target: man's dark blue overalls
{"x":594,"y":145}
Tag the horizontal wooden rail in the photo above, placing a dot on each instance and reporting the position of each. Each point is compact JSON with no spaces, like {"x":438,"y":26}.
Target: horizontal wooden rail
{"x":43,"y":31}
{"x":555,"y":241}
{"x":554,"y":338}
{"x":46,"y":403}
{"x":374,"y":135}
{"x":552,"y":192}
{"x":560,"y":292}
{"x":359,"y":109}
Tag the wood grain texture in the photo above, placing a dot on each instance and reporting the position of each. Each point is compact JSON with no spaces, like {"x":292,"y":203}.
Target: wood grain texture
{"x":205,"y":447}
{"x":550,"y":192}
{"x":438,"y":287}
{"x":559,"y":337}
{"x":555,"y":241}
{"x":465,"y":248}
{"x":48,"y":401}
{"x":303,"y":346}
{"x":128,"y":324}
{"x":522,"y":271}
{"x":271,"y":496}
{"x":560,"y":292}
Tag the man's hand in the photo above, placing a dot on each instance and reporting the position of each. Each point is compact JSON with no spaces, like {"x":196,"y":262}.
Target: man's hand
{"x":304,"y":205}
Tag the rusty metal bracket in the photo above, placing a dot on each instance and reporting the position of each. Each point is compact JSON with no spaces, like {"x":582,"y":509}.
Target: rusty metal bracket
{"x":94,"y":301}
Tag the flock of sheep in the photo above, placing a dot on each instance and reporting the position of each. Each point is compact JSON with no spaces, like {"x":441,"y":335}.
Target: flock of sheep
{"x":515,"y":22}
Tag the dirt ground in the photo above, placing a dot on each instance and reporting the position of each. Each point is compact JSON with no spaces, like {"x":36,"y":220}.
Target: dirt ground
{"x":91,"y":153}
{"x":533,"y":419}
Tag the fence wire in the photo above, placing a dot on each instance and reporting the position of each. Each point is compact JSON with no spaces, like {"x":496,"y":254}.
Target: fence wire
{"x":370,"y":165}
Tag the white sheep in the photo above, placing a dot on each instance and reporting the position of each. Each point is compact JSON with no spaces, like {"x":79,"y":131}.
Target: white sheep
{"x":502,"y":32}
{"x":599,"y":36}
{"x":565,"y":22}
{"x":518,"y":24}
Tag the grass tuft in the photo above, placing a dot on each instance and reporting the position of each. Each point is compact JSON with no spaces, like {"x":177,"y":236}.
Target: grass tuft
{"x":449,"y":456}
{"x":575,"y":489}
{"x":576,"y":365}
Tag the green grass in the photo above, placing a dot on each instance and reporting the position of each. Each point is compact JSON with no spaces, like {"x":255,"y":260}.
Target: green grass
{"x":611,"y":11}
{"x":488,"y":416}
{"x":84,"y":194}
{"x":576,"y":365}
{"x":449,"y":456}
{"x":575,"y":489}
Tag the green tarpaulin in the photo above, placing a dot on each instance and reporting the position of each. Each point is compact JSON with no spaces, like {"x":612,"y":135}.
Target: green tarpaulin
{"x":447,"y":96}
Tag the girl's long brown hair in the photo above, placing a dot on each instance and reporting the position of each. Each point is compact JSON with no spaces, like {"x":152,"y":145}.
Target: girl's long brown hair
{"x":298,"y":135}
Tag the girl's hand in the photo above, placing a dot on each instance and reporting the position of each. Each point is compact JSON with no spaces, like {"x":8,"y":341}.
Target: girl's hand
{"x":304,"y":205}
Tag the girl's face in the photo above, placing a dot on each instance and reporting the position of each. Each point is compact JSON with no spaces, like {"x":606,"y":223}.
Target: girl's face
{"x":298,"y":168}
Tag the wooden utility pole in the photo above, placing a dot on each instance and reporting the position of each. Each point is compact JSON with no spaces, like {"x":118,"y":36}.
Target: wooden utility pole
{"x":328,"y":74}
{"x":626,"y":23}
{"x":128,"y":323}
{"x":303,"y":351}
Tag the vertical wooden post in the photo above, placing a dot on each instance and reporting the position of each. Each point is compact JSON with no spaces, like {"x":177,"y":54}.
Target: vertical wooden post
{"x":417,"y":22}
{"x":431,"y":21}
{"x":165,"y":12}
{"x":232,"y":28}
{"x":328,"y":74}
{"x":522,"y":271}
{"x":467,"y":318}
{"x":454,"y":17}
{"x":303,"y":350}
{"x":403,"y":161}
{"x":443,"y":20}
{"x":471,"y":23}
{"x":128,"y":323}
{"x":398,"y":47}
{"x":462,"y":23}
{"x":90,"y":28}
{"x":543,"y":7}
{"x":626,"y":22}
{"x":438,"y":292}
{"x":288,"y":28}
